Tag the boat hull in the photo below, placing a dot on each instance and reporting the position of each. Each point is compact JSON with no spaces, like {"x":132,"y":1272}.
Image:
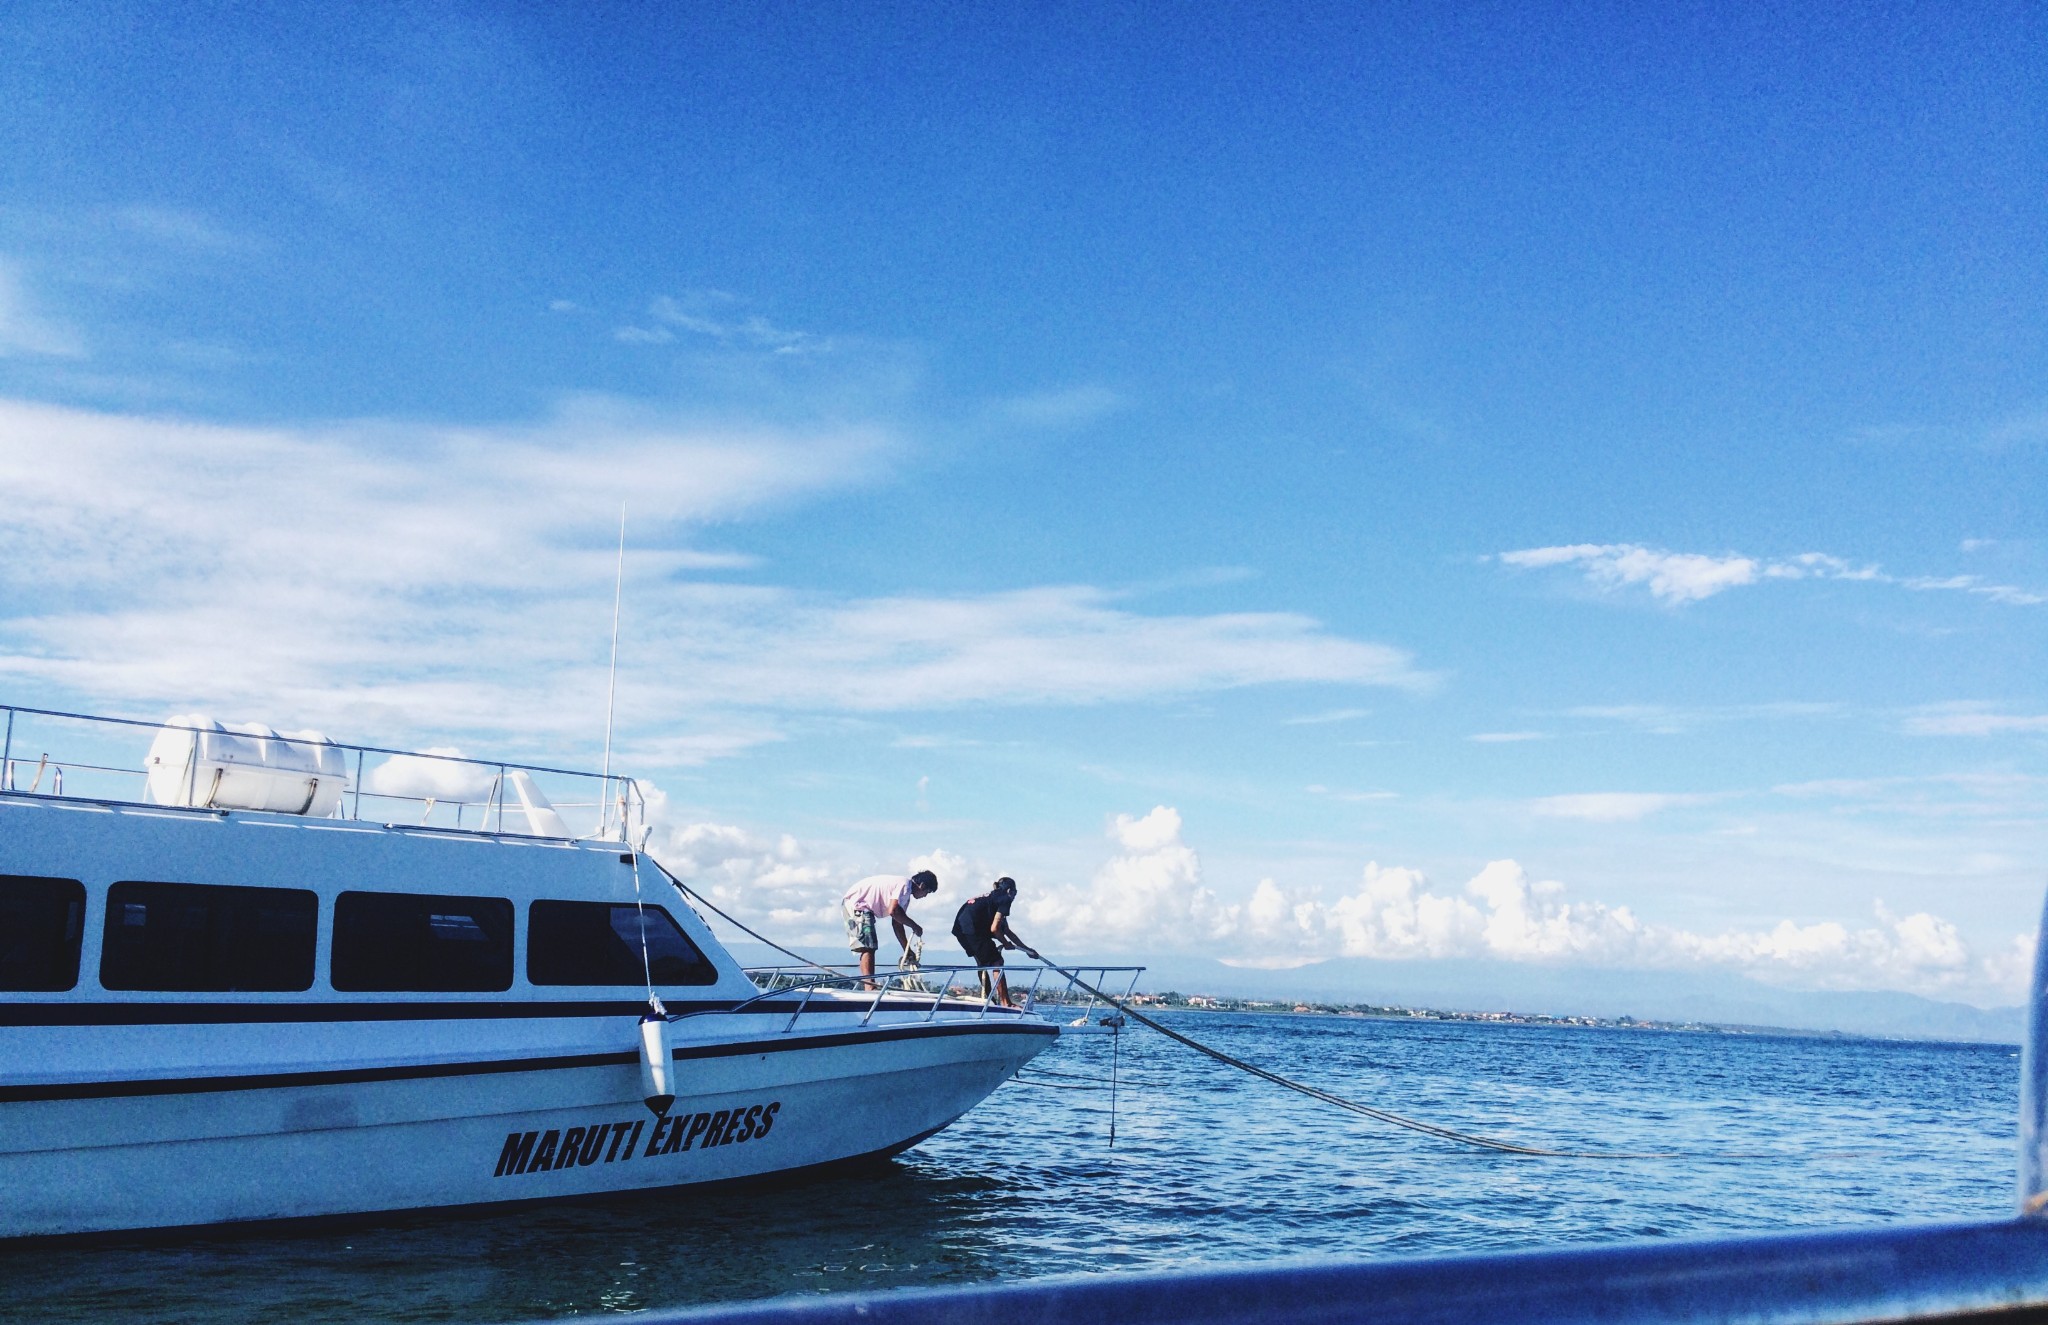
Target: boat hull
{"x":178,"y":1153}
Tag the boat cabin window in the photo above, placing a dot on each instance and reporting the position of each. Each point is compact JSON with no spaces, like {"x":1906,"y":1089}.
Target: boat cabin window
{"x":599,"y":943}
{"x":208,"y":937}
{"x":416,"y":943}
{"x":41,"y":924}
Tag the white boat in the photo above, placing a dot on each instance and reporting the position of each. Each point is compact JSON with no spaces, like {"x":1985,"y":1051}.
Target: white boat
{"x":212,"y":1015}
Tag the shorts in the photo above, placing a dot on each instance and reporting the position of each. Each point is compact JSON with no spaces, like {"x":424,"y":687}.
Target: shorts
{"x":860,"y":930}
{"x":983,"y":951}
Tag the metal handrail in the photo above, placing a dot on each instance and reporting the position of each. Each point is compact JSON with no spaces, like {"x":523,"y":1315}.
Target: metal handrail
{"x":615,"y":789}
{"x":809,"y":980}
{"x":884,"y":982}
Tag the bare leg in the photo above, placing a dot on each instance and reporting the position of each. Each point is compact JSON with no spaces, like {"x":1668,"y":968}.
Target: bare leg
{"x":867,"y":968}
{"x":1002,"y":989}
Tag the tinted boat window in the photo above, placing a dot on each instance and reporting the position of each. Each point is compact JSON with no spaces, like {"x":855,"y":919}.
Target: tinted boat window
{"x":598,"y":943}
{"x":208,"y":937}
{"x":413,"y":943}
{"x":41,"y":924}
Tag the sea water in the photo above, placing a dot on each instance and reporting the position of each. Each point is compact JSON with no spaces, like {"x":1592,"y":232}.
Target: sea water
{"x":1208,"y":1167}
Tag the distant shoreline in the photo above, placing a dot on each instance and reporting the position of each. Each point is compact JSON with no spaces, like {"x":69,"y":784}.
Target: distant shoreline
{"x":1172,"y":1001}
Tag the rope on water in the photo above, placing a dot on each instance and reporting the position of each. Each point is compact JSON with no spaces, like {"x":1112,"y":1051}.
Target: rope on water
{"x":1037,"y":1071}
{"x":1354,"y":1106}
{"x":1023,"y":1080}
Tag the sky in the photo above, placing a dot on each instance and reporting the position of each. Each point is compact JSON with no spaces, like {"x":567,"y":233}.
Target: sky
{"x":1544,"y":483}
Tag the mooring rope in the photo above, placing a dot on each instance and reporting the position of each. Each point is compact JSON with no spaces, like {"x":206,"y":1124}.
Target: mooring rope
{"x":1355,"y":1106}
{"x":1038,"y":1071}
{"x":694,"y":895}
{"x":1300,"y":1087}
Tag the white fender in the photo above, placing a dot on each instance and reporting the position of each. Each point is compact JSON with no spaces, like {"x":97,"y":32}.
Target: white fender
{"x":657,"y":1066}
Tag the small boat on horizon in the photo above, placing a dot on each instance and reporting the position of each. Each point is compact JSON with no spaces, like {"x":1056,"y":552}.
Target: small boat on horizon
{"x":228,"y":996}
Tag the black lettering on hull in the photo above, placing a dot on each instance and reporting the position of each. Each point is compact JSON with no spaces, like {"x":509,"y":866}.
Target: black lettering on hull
{"x":579,"y":1147}
{"x":518,"y":1150}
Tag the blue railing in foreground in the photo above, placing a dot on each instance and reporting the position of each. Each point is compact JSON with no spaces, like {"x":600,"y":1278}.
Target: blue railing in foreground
{"x":1990,"y":1272}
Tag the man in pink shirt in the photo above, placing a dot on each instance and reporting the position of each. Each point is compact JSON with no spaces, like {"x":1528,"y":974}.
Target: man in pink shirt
{"x":877,"y":896}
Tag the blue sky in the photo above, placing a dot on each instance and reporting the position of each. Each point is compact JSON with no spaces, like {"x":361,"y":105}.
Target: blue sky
{"x":1549,"y":483}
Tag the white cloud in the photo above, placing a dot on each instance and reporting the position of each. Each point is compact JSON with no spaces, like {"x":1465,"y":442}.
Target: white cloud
{"x":1057,"y":644}
{"x":181,"y":228}
{"x":386,"y":579}
{"x":1976,"y":584}
{"x":1506,"y":738}
{"x":1608,"y":807}
{"x":1070,"y":407}
{"x":1970,"y":719}
{"x":27,"y":330}
{"x":790,"y":890}
{"x":1150,"y":896}
{"x":1688,"y":577}
{"x":1151,"y":889}
{"x":1328,"y":716}
{"x":1393,"y":914}
{"x":1669,"y":720}
{"x":438,"y":779}
{"x":1675,"y":577}
{"x":715,"y":314}
{"x":774,"y":883}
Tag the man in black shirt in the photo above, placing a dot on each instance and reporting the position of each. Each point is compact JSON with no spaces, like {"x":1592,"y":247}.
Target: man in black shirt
{"x":983,"y":927}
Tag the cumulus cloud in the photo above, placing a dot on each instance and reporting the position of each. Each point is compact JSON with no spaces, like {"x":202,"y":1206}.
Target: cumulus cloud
{"x":774,"y":882}
{"x":791,"y":890}
{"x":1151,"y":896}
{"x":1678,"y":578}
{"x":384,"y":578}
{"x":420,"y":778}
{"x":1152,"y":886}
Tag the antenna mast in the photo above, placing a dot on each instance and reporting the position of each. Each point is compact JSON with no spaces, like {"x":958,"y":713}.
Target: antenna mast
{"x":611,"y":689}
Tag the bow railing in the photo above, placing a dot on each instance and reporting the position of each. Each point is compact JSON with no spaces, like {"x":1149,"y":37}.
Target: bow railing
{"x":969,"y":989}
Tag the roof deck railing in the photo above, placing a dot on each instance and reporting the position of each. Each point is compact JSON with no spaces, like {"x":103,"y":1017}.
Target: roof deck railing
{"x":82,"y":756}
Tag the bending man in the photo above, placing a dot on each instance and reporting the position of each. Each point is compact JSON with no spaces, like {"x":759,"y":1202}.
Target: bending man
{"x":877,"y":896}
{"x":983,"y":927}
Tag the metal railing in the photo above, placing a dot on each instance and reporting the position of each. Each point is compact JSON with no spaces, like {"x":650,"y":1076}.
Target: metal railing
{"x":417,"y":788}
{"x":961,"y":985}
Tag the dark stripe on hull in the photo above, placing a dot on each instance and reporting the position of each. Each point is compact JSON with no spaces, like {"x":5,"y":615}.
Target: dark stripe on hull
{"x":220,"y":1014}
{"x":91,"y":1090}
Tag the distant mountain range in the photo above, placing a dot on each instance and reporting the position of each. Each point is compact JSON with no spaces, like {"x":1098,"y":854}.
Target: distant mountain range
{"x":1482,"y":986}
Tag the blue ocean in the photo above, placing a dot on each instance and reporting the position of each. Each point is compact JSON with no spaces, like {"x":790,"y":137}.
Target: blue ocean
{"x":1208,"y":1166}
